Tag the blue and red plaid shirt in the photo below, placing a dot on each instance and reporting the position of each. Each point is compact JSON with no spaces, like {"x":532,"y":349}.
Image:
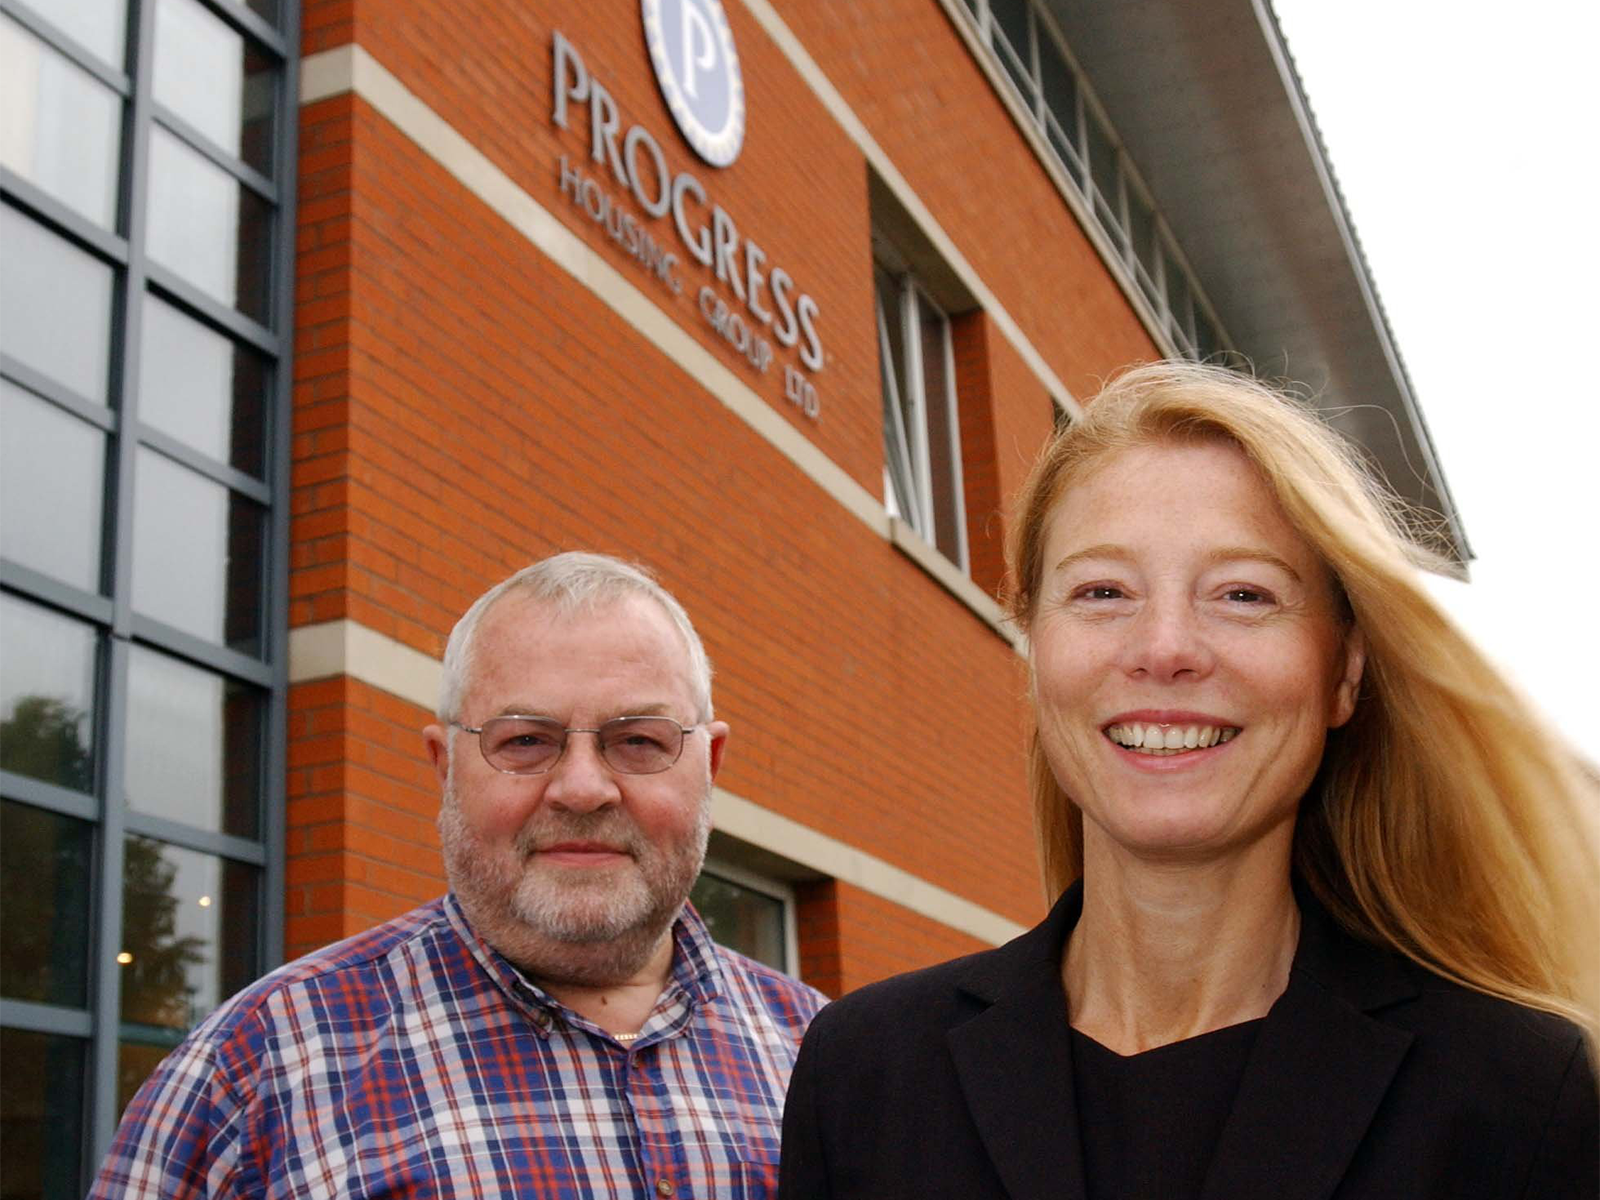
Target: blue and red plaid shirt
{"x":413,"y":1060}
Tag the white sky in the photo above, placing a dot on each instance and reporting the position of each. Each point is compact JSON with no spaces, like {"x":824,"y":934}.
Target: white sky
{"x":1463,"y":136}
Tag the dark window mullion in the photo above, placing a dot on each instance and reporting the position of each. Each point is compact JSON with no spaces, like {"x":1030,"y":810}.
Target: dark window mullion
{"x":60,"y":395}
{"x":36,"y":586}
{"x":218,"y":472}
{"x":252,"y":25}
{"x":105,"y":980}
{"x":58,"y":218}
{"x":230,"y":320}
{"x":175,"y":833}
{"x":38,"y":25}
{"x":214,"y":154}
{"x":275,"y":602}
{"x":210,"y":655}
{"x":51,"y":797}
{"x":44,"y":1018}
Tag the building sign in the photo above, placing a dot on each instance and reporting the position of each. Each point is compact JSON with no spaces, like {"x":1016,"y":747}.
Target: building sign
{"x":691,"y":48}
{"x":666,"y":221}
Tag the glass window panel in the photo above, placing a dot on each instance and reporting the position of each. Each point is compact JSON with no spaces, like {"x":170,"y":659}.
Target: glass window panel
{"x":1066,"y":150}
{"x":899,"y":409}
{"x":194,"y":745}
{"x":197,"y":553}
{"x":1177,"y":292}
{"x":60,"y":128}
{"x":207,"y":73}
{"x":1103,"y":164}
{"x":46,"y":695}
{"x":51,"y":470}
{"x":101,"y":25}
{"x":41,"y":1115}
{"x":135,"y":1063}
{"x":1011,"y":43}
{"x":1142,"y":233}
{"x":202,"y":387}
{"x":44,"y":879}
{"x":55,"y":306}
{"x":944,"y":465}
{"x":742,"y":919}
{"x":52,"y":467}
{"x":189,"y":925}
{"x":1060,"y":87}
{"x":207,"y":226}
{"x":1011,"y":22}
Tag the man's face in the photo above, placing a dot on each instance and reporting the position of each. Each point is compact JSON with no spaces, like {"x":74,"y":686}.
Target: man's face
{"x":579,"y":871}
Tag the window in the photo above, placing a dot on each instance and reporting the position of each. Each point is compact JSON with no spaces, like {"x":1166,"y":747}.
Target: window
{"x":146,"y":186}
{"x":1021,"y":36}
{"x":921,"y":429}
{"x":749,"y":913}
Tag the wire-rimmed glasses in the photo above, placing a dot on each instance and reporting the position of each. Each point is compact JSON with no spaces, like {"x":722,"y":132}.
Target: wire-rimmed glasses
{"x":534,"y":745}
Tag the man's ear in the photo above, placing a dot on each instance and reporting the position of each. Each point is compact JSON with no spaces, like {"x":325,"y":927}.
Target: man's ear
{"x":1349,"y":684}
{"x":436,"y":740}
{"x":717,"y":731}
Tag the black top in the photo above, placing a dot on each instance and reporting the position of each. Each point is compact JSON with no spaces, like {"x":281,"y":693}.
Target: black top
{"x":1150,"y":1122}
{"x":1370,"y":1079}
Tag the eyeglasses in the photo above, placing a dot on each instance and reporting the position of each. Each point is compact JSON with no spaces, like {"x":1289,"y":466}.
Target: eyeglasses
{"x":533,"y":745}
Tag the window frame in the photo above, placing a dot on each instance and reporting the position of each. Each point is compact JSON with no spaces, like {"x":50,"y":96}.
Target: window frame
{"x":915,"y":441}
{"x":775,"y":889}
{"x":106,"y":608}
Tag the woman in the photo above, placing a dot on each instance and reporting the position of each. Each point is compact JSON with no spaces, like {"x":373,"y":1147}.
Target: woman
{"x":1329,"y":893}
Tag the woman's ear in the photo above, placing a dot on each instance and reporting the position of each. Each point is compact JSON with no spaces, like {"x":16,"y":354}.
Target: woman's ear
{"x":1348,"y":686}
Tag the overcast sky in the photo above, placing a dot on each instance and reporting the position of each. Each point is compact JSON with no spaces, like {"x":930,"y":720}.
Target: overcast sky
{"x":1463,"y":137}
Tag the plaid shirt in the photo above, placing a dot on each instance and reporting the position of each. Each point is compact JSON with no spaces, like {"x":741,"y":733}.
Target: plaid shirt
{"x":413,"y":1060}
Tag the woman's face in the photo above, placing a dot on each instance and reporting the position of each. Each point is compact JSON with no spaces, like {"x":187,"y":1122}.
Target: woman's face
{"x":1188,"y":658}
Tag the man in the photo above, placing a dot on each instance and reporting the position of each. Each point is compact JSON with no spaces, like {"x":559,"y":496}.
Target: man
{"x":560,"y":1024}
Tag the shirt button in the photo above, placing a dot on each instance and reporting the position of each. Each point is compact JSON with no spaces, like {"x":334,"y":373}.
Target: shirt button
{"x":664,"y":1187}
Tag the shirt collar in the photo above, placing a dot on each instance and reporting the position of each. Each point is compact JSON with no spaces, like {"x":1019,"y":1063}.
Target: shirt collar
{"x":696,"y":969}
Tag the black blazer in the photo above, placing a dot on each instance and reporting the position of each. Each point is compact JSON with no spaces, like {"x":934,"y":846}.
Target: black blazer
{"x":1370,"y":1077}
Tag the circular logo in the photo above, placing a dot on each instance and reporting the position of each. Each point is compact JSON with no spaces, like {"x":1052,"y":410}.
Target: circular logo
{"x":697,"y":67}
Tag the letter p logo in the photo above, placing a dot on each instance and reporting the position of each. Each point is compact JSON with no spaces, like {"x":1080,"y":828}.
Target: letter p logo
{"x":696,"y":32}
{"x":697,"y":68}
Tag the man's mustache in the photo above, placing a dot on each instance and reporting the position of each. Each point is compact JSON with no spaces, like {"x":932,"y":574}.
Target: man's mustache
{"x":609,"y":828}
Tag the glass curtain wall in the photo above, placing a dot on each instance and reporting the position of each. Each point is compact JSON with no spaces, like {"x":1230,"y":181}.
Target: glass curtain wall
{"x":146,"y":164}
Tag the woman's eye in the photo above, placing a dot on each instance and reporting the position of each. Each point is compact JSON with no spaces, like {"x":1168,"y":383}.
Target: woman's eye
{"x":1243,"y":595}
{"x":1100,"y":591}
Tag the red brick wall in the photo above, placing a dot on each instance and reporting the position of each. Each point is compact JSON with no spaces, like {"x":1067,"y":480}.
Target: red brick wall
{"x":850,"y":937}
{"x":463,"y":406}
{"x":362,"y":800}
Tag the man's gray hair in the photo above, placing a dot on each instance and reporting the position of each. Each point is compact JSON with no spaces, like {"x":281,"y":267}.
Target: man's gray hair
{"x":571,"y":583}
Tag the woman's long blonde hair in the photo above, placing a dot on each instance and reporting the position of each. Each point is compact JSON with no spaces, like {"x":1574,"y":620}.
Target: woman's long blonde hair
{"x":1445,"y":820}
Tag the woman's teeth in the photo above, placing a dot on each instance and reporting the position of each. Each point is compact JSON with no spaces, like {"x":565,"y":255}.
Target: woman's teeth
{"x":1169,"y":739}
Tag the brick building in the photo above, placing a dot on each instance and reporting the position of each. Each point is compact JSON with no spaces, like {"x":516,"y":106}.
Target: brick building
{"x":320,"y":317}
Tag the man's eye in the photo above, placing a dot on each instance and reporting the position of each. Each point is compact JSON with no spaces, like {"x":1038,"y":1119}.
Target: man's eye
{"x":527,"y":739}
{"x":640,"y":741}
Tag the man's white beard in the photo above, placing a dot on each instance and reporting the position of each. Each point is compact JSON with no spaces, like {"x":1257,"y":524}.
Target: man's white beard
{"x":565,"y":925}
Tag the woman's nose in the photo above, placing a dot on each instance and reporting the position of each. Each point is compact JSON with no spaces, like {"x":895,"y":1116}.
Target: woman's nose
{"x":1165,"y":642}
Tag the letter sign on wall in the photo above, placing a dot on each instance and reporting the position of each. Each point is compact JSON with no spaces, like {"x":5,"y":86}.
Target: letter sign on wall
{"x":697,"y":67}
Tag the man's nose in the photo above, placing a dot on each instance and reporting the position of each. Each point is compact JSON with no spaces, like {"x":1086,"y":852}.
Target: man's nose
{"x":581,"y":781}
{"x":1166,"y":642}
